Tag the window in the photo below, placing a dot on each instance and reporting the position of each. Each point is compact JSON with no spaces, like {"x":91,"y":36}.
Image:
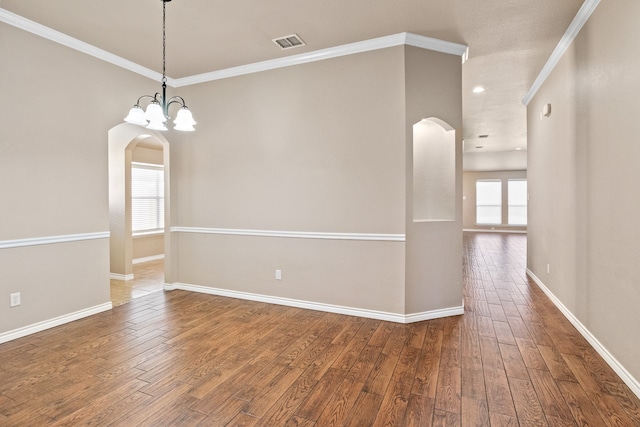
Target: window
{"x":489,"y":201}
{"x":147,"y":197}
{"x":517,"y":191}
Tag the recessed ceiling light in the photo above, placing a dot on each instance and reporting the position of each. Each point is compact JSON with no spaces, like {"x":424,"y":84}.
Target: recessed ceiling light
{"x":518,"y":149}
{"x":478,"y":89}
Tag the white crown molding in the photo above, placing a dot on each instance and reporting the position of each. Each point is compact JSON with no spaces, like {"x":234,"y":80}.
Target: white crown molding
{"x":574,"y":28}
{"x":287,"y":61}
{"x":332,"y":52}
{"x":57,"y":321}
{"x":35,"y":241}
{"x":292,"y":234}
{"x":65,"y":40}
{"x":329,"y":308}
{"x":628,"y":379}
{"x":437,"y":45}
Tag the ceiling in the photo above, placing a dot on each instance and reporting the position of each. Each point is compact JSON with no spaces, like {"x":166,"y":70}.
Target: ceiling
{"x":509,"y":40}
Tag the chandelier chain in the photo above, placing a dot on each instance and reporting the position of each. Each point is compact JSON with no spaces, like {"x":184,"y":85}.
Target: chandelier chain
{"x":164,"y":41}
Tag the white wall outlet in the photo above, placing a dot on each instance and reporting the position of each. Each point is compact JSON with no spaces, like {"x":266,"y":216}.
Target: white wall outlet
{"x":548,"y":269}
{"x":15,"y":299}
{"x":278,"y":274}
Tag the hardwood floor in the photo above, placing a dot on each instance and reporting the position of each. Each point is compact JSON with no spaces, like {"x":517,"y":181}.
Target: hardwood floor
{"x":181,"y":359}
{"x":148,"y":278}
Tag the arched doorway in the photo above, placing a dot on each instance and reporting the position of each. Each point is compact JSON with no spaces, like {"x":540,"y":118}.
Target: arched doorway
{"x":122,"y":141}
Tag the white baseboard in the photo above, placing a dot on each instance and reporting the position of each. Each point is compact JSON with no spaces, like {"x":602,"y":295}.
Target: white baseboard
{"x":147,"y":259}
{"x":485,"y":230}
{"x":628,"y":379}
{"x":434,"y":314}
{"x":57,"y":321}
{"x":123,"y":277}
{"x":331,"y":308}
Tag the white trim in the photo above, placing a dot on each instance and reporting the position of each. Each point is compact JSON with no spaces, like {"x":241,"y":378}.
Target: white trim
{"x":121,"y":277}
{"x":436,"y":45}
{"x":574,"y":28}
{"x":399,"y":39}
{"x":330,"y":308}
{"x":628,"y":379}
{"x":56,"y":321}
{"x":434,"y":314}
{"x":65,"y":40}
{"x":158,"y":232}
{"x":35,"y":241}
{"x":292,"y":234}
{"x":147,"y":259}
{"x":484,"y":230}
{"x":332,"y":52}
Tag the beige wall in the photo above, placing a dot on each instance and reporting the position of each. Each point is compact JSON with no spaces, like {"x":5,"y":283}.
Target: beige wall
{"x":433,"y":248}
{"x":469,"y":198}
{"x":319,"y":147}
{"x":59,"y":105}
{"x":583,"y":176}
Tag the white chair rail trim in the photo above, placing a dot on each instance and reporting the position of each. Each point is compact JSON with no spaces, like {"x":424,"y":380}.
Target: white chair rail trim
{"x":293,"y":234}
{"x":48,"y":240}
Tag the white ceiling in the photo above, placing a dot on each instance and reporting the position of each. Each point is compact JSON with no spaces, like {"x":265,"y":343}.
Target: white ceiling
{"x":509,"y":40}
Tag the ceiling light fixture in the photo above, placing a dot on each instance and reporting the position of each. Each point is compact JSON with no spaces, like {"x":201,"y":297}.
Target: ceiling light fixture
{"x":478,"y":89}
{"x":157,"y":113}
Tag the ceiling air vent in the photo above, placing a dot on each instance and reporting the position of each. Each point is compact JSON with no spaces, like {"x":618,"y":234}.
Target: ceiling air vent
{"x":288,"y":42}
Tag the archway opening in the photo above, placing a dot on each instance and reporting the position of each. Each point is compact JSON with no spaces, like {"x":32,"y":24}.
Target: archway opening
{"x":130,"y":144}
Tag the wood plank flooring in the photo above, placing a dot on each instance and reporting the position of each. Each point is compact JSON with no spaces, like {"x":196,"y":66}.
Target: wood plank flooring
{"x":148,"y":278}
{"x":184,"y":359}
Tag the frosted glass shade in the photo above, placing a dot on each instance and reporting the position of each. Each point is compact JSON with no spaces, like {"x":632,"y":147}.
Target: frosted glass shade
{"x":155,"y":116}
{"x":136,"y":116}
{"x":184,"y":120}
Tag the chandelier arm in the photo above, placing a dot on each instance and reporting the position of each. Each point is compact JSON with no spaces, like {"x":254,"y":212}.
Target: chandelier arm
{"x":145,"y":96}
{"x":176,"y":100}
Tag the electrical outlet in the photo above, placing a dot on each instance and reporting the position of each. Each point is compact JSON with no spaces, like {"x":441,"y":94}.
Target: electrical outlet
{"x":548,"y":269}
{"x":278,"y":274}
{"x":15,"y":299}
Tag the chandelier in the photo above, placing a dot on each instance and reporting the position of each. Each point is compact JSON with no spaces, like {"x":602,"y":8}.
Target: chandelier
{"x":157,"y":113}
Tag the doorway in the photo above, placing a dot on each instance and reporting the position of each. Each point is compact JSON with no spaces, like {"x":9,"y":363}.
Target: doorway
{"x":139,"y":221}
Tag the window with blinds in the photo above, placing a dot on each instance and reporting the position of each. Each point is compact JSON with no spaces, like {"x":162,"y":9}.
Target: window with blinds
{"x":489,"y":202}
{"x":517,"y":190}
{"x":147,"y":197}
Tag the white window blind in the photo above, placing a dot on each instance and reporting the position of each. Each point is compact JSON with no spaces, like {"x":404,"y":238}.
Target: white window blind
{"x":517,"y":194}
{"x":488,"y":202}
{"x":147,"y":197}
